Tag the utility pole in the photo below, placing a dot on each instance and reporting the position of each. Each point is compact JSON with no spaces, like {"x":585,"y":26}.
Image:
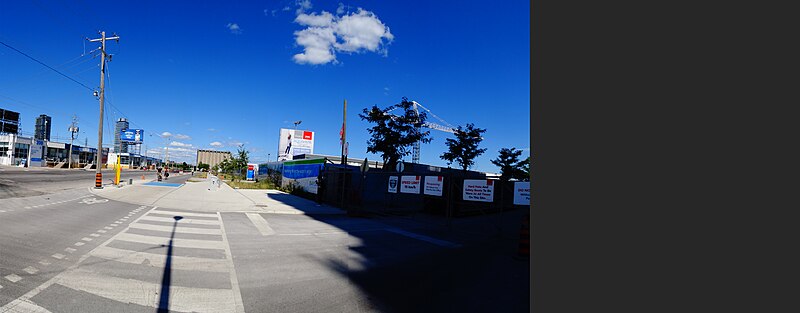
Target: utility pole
{"x":344,"y":133}
{"x":73,"y":129}
{"x":98,"y":176}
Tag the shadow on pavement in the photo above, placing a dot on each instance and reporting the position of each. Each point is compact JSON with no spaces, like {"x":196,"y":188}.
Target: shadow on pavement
{"x":399,"y":273}
{"x":163,"y":303}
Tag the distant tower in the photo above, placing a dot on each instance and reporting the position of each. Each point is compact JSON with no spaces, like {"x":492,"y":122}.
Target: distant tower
{"x":120,"y":147}
{"x":43,"y":124}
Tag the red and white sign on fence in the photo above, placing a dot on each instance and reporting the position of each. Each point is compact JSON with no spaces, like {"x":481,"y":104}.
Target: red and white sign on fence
{"x":479,"y":190}
{"x":434,"y":185}
{"x":410,"y":184}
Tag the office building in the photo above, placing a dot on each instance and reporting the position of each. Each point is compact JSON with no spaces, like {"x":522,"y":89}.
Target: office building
{"x":212,"y":157}
{"x":43,"y":123}
{"x":119,"y":145}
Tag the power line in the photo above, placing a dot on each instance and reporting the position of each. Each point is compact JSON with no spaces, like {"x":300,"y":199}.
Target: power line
{"x":48,"y":66}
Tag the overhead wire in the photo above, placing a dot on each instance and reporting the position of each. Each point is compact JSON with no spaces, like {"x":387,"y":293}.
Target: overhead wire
{"x":45,"y":65}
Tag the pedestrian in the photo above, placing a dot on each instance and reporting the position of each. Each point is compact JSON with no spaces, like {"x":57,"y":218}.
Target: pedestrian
{"x":289,"y":146}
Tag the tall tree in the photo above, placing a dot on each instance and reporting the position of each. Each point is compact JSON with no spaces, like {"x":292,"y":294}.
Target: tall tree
{"x":509,"y":164}
{"x":393,"y":135}
{"x":464,"y":149}
{"x":526,"y":167}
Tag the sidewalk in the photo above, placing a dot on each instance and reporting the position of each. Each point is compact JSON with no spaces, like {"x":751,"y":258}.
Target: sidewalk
{"x":205,"y":195}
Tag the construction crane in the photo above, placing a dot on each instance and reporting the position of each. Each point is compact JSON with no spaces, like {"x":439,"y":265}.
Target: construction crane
{"x":416,"y":147}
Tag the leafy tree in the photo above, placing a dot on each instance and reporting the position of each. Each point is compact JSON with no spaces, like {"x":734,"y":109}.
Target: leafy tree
{"x":464,"y":149}
{"x":393,"y":135}
{"x":509,"y":163}
{"x":203,"y":166}
{"x":526,"y":167}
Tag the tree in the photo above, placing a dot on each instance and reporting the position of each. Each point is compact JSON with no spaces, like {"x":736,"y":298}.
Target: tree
{"x":202,"y":166}
{"x":464,"y":149}
{"x":526,"y":167}
{"x":509,"y":163}
{"x":392,"y":135}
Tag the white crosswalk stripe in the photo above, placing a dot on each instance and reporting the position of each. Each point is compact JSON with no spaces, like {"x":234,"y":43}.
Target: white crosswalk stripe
{"x":184,"y":230}
{"x":183,"y":221}
{"x":177,"y":242}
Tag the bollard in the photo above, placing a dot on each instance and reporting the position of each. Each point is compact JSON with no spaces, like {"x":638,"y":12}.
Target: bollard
{"x":130,"y":182}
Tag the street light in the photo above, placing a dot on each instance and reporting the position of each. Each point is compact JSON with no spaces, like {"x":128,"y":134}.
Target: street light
{"x":297,"y":123}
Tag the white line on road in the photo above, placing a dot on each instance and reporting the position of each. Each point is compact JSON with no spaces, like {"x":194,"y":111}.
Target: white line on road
{"x":70,"y":250}
{"x":58,"y":256}
{"x":80,"y":243}
{"x":183,"y":230}
{"x":86,"y":239}
{"x":45,"y":262}
{"x":183,"y":221}
{"x":13,"y":278}
{"x":94,"y":235}
{"x":185,"y":214}
{"x":24,"y":306}
{"x":158,"y":260}
{"x":109,"y":228}
{"x":237,"y":295}
{"x":31,"y":270}
{"x":260,"y":223}
{"x":177,"y":242}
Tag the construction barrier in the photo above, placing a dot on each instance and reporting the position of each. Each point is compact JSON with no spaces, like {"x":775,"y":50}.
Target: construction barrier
{"x":98,"y":180}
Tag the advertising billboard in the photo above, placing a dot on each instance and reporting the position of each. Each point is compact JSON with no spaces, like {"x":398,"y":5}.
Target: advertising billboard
{"x":295,"y":142}
{"x":132,"y":135}
{"x":302,"y":173}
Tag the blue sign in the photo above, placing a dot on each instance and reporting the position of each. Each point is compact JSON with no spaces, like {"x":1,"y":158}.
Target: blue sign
{"x":297,"y":171}
{"x":250,"y":174}
{"x":132,"y":135}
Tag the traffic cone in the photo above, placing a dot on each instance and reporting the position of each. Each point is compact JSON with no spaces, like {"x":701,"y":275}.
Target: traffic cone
{"x":523,"y":252}
{"x":142,"y":176}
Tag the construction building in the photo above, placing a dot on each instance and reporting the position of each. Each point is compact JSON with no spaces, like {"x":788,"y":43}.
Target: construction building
{"x":212,"y":157}
{"x":119,"y":145}
{"x":43,"y":123}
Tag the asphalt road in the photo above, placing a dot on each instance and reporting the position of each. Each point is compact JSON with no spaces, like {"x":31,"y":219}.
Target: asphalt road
{"x":68,"y":250}
{"x":26,"y":182}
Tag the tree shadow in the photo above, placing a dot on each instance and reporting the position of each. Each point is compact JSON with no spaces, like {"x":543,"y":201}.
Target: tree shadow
{"x":163,"y":303}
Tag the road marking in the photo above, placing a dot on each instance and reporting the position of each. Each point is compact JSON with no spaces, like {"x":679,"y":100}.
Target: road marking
{"x":24,"y":306}
{"x":86,"y":239}
{"x":80,"y":243}
{"x":94,"y":235}
{"x":185,"y":214}
{"x":58,"y":256}
{"x":184,"y":221}
{"x":45,"y":262}
{"x":70,"y":250}
{"x":2,"y":211}
{"x":113,"y":224}
{"x":27,"y":207}
{"x":237,"y":296}
{"x":102,"y":231}
{"x":158,"y":260}
{"x":109,"y":228}
{"x":432,"y":240}
{"x":176,"y":242}
{"x":183,"y":230}
{"x":183,"y":299}
{"x":260,"y":223}
{"x":31,"y":270}
{"x":13,"y":278}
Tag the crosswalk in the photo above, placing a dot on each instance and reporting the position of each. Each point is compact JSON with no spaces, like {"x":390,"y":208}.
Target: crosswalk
{"x":159,"y":262}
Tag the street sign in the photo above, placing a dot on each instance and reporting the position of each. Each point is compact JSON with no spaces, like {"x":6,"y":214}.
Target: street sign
{"x":399,"y":167}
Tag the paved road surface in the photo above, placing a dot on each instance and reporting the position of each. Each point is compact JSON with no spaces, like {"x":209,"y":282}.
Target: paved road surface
{"x":74,"y":250}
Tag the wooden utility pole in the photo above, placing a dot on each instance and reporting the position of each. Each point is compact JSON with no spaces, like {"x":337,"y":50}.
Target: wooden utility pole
{"x":344,"y":133}
{"x":98,"y":182}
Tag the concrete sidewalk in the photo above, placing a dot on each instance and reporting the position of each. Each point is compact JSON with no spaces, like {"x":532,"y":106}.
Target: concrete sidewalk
{"x":210,"y":195}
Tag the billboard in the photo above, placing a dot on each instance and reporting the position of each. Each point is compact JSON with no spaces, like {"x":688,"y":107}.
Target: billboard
{"x":302,"y":173}
{"x":132,"y":135}
{"x":295,"y":142}
{"x":9,"y":116}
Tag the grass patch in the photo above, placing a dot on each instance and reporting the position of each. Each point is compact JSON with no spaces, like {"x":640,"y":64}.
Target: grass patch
{"x":201,"y":175}
{"x":262,"y":184}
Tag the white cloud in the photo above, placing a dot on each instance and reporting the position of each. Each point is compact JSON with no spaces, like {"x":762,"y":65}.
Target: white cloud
{"x":212,"y":129}
{"x":327,"y":34}
{"x":315,"y":20}
{"x":216,"y":144}
{"x":166,"y":135}
{"x":302,"y":6}
{"x":179,"y":144}
{"x":182,"y":137}
{"x":286,"y":8}
{"x":340,"y":9}
{"x":317,"y":43}
{"x":235,"y":143}
{"x":234,"y":28}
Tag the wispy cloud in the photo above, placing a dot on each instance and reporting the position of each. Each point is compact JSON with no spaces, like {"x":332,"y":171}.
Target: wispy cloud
{"x":340,"y":9}
{"x":166,"y":135}
{"x":234,"y":28}
{"x":182,"y":137}
{"x":302,"y":6}
{"x":327,"y":34}
{"x":215,"y":144}
{"x":212,"y":129}
{"x":179,"y":144}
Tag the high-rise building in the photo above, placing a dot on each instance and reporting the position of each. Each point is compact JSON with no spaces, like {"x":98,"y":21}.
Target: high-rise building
{"x":43,"y":123}
{"x":120,"y":146}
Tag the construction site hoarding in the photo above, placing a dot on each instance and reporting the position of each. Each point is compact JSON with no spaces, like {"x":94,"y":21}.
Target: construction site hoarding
{"x":294,"y":142}
{"x":302,"y":173}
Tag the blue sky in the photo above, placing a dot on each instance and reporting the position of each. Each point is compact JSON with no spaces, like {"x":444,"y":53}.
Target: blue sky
{"x":218,"y":74}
